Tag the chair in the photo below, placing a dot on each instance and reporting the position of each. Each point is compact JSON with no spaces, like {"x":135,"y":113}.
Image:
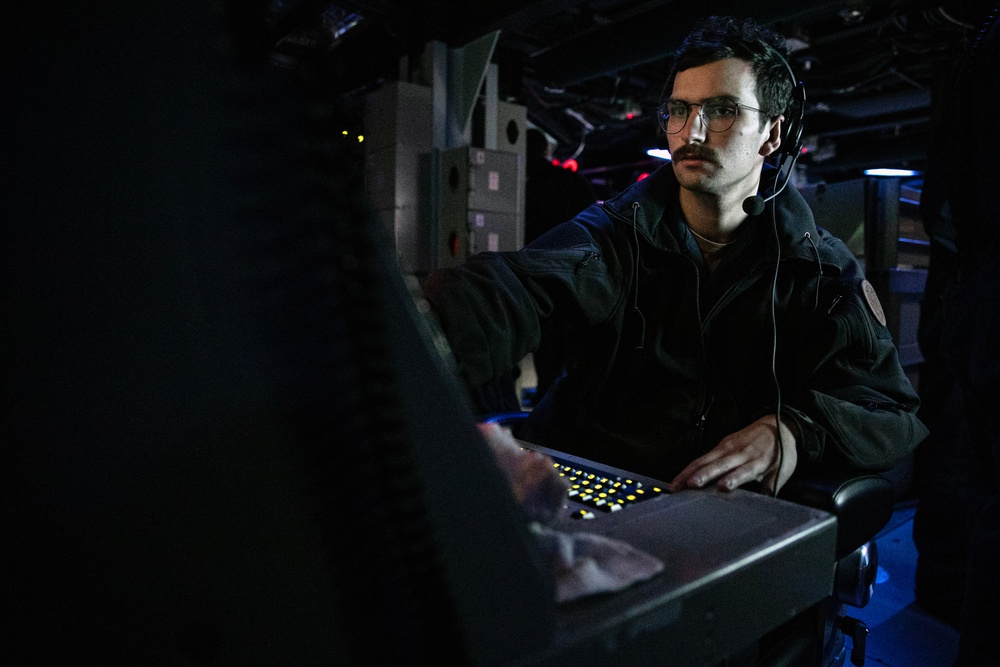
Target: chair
{"x":863,"y":503}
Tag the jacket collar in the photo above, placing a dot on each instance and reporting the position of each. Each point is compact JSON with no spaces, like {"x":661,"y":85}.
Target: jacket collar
{"x":657,"y":196}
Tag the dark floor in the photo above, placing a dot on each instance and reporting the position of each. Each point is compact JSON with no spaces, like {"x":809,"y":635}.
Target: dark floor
{"x":902,"y":634}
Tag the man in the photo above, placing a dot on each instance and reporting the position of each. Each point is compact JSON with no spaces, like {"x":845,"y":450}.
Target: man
{"x":693,"y":333}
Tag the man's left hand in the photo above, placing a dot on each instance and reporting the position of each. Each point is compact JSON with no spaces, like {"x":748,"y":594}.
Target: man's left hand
{"x":748,"y":455}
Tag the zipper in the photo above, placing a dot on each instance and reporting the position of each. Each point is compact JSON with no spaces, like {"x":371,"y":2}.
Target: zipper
{"x":874,"y":406}
{"x":587,"y":257}
{"x":728,"y":296}
{"x":706,"y":400}
{"x":731,"y":293}
{"x":581,"y":253}
{"x":699,"y":424}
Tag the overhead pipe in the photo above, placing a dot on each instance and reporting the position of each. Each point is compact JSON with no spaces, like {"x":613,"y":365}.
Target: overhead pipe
{"x":651,"y":36}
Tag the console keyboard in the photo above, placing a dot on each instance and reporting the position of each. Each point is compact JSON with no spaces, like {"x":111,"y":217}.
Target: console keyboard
{"x":599,"y":492}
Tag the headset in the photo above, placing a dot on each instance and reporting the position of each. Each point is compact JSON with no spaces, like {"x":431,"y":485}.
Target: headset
{"x":791,"y":141}
{"x":791,"y":134}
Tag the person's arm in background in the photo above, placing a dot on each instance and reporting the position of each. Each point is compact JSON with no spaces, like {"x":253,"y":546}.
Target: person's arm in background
{"x":491,"y":307}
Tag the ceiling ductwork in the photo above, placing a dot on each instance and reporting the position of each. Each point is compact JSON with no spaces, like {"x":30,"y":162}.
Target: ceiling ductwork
{"x":652,"y":35}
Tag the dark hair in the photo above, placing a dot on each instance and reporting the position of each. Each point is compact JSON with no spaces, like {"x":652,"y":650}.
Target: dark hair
{"x":720,"y":37}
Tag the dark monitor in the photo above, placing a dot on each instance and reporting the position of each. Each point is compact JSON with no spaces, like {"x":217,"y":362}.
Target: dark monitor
{"x":227,"y":438}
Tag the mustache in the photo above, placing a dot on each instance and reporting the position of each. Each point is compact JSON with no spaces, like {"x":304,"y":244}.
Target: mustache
{"x":694,"y":151}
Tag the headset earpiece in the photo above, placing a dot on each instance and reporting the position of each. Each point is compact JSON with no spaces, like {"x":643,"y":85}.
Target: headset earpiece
{"x":791,"y":143}
{"x":791,"y":132}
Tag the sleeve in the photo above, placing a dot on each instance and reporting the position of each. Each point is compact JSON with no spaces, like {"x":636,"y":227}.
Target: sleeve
{"x":856,"y":404}
{"x":491,"y":307}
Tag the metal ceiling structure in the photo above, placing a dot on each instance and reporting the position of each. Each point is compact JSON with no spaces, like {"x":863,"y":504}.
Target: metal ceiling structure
{"x":590,"y":72}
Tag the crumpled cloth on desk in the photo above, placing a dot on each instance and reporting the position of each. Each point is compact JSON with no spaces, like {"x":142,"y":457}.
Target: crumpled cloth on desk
{"x":586,"y":563}
{"x":582,"y":563}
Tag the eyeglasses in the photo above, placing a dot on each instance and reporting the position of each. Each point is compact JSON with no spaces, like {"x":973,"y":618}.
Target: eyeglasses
{"x":718,"y":115}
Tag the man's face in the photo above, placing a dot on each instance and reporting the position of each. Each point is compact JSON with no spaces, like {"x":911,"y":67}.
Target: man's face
{"x":721,"y":163}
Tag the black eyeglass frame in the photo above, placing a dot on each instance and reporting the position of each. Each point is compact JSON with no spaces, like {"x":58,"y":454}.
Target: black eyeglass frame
{"x":663,"y":118}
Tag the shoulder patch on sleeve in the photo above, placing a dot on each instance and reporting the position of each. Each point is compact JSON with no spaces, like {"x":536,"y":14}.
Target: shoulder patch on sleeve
{"x":871,"y":298}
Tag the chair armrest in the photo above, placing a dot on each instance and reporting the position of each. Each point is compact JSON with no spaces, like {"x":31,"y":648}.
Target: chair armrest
{"x":862,"y":501}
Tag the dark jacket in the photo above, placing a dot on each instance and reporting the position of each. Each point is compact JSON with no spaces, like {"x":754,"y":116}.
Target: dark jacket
{"x":668,"y":358}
